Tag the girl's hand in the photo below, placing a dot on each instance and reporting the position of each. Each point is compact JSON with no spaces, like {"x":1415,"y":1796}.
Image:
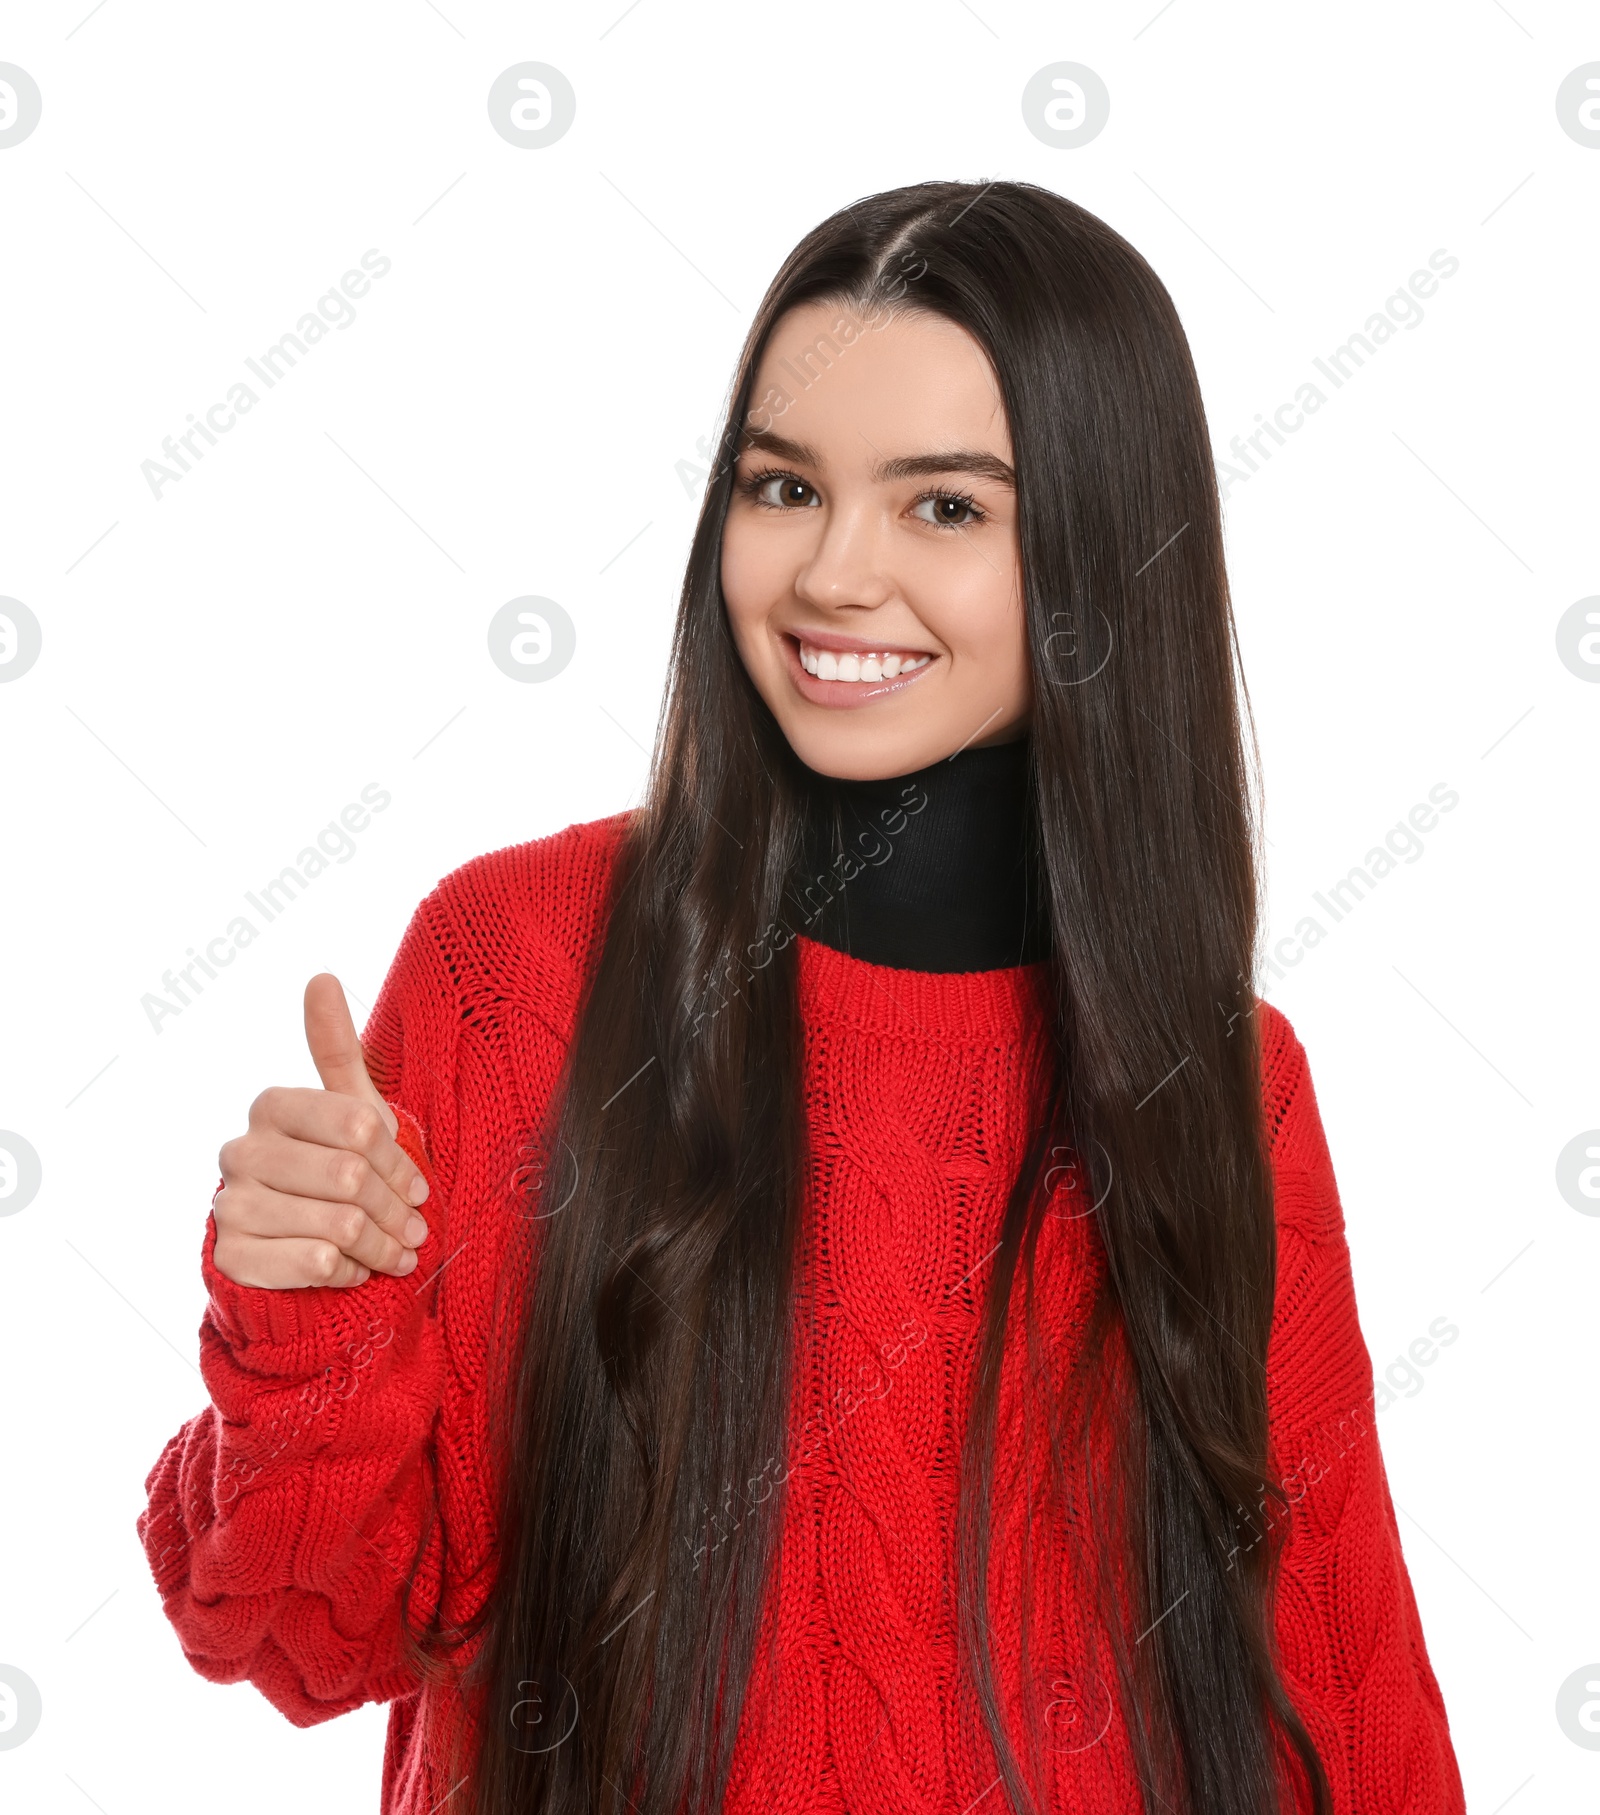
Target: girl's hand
{"x":317,"y":1192}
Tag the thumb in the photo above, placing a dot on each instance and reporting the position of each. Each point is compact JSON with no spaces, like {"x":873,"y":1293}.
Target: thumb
{"x":335,"y":1049}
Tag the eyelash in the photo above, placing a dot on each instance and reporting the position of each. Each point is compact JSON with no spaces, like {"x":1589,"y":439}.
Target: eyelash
{"x":751,"y":487}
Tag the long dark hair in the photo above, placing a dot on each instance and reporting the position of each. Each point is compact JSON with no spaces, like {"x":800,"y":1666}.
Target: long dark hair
{"x":653,"y":1360}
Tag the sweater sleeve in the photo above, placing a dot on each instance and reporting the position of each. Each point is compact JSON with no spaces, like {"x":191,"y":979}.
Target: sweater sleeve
{"x":1350,"y":1642}
{"x":291,"y":1523}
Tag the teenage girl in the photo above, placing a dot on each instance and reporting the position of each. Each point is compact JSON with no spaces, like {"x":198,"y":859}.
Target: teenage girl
{"x":828,"y":1292}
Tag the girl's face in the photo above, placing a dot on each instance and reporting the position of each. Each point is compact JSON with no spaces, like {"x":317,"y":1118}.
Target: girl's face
{"x":870,"y":560}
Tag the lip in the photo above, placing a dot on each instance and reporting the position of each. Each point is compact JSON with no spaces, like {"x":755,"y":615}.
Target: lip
{"x":832,"y":639}
{"x":848,"y":694}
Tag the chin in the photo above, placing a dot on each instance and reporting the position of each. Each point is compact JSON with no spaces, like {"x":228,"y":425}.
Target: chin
{"x":858,"y":758}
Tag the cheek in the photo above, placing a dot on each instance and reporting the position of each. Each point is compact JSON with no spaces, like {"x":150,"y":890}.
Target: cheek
{"x":976,"y":611}
{"x":750,"y":587}
{"x":752,"y":570}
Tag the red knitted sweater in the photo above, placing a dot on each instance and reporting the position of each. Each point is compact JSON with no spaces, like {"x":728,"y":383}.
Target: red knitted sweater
{"x":347,"y":1430}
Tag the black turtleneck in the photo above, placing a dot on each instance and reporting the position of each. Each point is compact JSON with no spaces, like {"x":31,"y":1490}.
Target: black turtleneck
{"x":932,"y":871}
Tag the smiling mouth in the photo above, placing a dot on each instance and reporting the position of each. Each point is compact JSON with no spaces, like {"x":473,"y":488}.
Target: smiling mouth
{"x":862,"y":665}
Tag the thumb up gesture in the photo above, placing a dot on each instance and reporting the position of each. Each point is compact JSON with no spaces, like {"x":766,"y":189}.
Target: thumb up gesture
{"x":316,"y":1191}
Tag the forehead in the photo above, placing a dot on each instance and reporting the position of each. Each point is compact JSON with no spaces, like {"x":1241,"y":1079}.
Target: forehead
{"x":856,"y":387}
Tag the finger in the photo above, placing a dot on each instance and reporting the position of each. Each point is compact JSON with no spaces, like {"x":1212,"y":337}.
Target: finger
{"x":328,"y":1119}
{"x":335,"y":1048}
{"x":335,"y":1175}
{"x":282,"y":1266}
{"x":257,"y":1214}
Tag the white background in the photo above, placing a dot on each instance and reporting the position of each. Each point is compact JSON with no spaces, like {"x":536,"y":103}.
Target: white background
{"x":305,"y":612}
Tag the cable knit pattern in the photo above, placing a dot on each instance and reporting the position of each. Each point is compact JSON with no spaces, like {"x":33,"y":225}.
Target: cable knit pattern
{"x":345,"y":1447}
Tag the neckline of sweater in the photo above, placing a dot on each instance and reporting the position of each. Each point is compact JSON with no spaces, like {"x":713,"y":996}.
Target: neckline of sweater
{"x":1005,"y":1004}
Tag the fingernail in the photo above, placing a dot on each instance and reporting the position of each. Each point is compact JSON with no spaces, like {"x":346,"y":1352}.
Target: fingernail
{"x":419,"y":1189}
{"x":407,"y":1261}
{"x":416,"y":1231}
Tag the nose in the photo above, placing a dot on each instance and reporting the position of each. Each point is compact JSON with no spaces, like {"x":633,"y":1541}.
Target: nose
{"x":847,"y":565}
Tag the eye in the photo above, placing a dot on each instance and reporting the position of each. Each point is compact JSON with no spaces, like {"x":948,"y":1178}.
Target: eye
{"x":949,"y":510}
{"x":780,"y":491}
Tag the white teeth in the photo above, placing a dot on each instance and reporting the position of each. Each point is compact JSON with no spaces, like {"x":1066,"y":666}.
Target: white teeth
{"x":830,"y":665}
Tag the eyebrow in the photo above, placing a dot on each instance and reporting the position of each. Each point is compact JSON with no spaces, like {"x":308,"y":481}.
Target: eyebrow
{"x":908,"y":466}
